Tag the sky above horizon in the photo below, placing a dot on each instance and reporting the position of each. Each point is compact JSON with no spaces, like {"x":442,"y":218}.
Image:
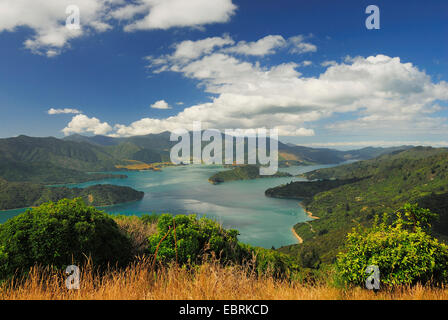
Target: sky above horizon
{"x":310,"y":69}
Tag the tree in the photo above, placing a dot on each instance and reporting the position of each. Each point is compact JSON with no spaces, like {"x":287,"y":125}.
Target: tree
{"x":187,"y":239}
{"x":404,"y":255}
{"x":414,"y":216}
{"x":60,"y":234}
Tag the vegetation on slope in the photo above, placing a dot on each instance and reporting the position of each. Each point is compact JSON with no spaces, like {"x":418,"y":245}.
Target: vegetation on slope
{"x":23,"y":194}
{"x":209,"y":281}
{"x":67,"y":232}
{"x":60,"y":234}
{"x":404,"y":253}
{"x":186,"y":257}
{"x":305,"y":189}
{"x":418,"y":175}
{"x":47,"y":173}
{"x":55,"y":161}
{"x":243,"y":172}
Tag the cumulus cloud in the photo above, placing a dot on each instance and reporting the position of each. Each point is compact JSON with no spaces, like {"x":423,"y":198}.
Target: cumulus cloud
{"x":270,"y":44}
{"x":299,"y":45}
{"x":187,"y":50}
{"x":328,"y":63}
{"x":306,"y":63}
{"x":377,"y":92}
{"x":161,"y":104}
{"x":53,"y":111}
{"x":47,"y":18}
{"x":167,"y":14}
{"x":264,"y":46}
{"x":82,"y":124}
{"x":375,"y":143}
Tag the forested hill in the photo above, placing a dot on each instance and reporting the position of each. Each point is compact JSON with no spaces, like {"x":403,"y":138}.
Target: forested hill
{"x":55,"y":161}
{"x":243,"y":172}
{"x":383,"y":185}
{"x":22,"y":194}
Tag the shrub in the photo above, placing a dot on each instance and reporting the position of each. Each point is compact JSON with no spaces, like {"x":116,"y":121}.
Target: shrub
{"x":192,"y":238}
{"x":59,"y":234}
{"x":403,"y":251}
{"x":268,"y":262}
{"x":197,"y":238}
{"x":138,"y":229}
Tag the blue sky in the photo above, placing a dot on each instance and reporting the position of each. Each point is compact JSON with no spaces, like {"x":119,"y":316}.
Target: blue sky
{"x":375,"y":87}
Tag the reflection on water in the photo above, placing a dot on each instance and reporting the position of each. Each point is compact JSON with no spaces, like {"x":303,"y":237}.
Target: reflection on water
{"x":242,"y":205}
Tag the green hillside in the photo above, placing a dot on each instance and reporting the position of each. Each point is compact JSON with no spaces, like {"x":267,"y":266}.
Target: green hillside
{"x":305,"y":190}
{"x":418,"y":175}
{"x":47,"y":173}
{"x":20,"y":195}
{"x":56,"y":161}
{"x":243,"y":172}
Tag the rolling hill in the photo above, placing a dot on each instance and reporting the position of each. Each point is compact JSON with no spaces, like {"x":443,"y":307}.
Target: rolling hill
{"x":363,"y":189}
{"x":69,"y":160}
{"x":24,"y":194}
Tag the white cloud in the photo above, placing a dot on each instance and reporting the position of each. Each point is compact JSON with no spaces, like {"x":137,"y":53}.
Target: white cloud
{"x":269,"y":44}
{"x":175,"y":13}
{"x":300,"y":46}
{"x":307,"y":63}
{"x":188,"y":50}
{"x":53,"y":111}
{"x":81,"y":124}
{"x":380,"y":91}
{"x":47,"y":18}
{"x":161,"y":104}
{"x":328,"y":63}
{"x":375,"y":143}
{"x":264,"y":46}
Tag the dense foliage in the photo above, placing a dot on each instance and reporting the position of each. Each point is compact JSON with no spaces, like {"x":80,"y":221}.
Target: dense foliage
{"x":55,"y":161}
{"x":192,"y":238}
{"x":305,"y":189}
{"x":59,"y":234}
{"x":188,"y":240}
{"x":47,"y":173}
{"x":403,"y":251}
{"x":385,"y":185}
{"x":22,"y":194}
{"x":243,"y":172}
{"x":418,"y":175}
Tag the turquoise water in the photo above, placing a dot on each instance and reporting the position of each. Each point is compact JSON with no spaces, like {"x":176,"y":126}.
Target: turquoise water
{"x":242,"y":205}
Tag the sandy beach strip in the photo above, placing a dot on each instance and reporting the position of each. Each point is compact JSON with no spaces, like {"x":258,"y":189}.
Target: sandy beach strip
{"x":309,"y":213}
{"x":296,"y":235}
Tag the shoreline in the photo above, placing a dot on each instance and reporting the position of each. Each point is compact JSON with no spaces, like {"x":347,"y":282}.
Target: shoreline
{"x":309,"y":213}
{"x":296,"y":235}
{"x":97,"y":207}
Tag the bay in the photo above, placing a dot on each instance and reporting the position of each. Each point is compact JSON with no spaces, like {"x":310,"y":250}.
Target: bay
{"x":242,"y":205}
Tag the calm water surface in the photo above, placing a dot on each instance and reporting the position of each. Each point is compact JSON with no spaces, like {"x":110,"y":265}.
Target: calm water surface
{"x":242,"y":205}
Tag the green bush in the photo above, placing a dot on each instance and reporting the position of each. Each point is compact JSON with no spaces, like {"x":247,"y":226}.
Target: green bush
{"x":59,"y":234}
{"x":403,"y":251}
{"x":269,"y":262}
{"x":197,"y":238}
{"x":193,"y":238}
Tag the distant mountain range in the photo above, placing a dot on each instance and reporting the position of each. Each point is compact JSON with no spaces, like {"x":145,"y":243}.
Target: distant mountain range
{"x":161,"y":144}
{"x":51,"y":160}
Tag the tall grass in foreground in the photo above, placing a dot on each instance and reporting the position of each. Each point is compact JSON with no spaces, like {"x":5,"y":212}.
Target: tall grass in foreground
{"x":209,"y":281}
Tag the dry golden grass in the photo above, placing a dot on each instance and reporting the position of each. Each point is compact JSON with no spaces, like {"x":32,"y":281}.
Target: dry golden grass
{"x":137,"y":230}
{"x":209,"y":281}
